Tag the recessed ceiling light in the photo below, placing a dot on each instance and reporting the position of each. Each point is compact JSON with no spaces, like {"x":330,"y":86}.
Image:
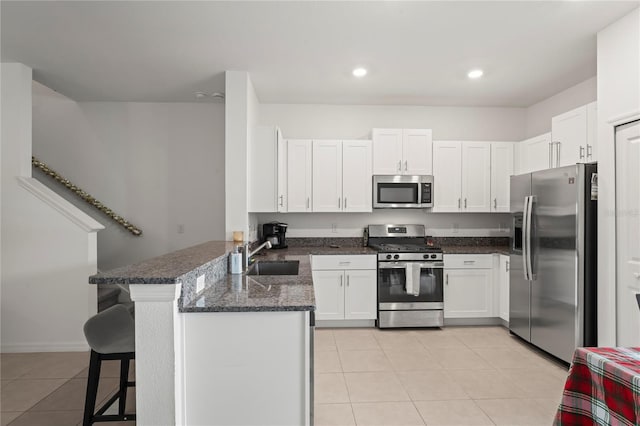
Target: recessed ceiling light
{"x":475,"y":74}
{"x":359,"y":72}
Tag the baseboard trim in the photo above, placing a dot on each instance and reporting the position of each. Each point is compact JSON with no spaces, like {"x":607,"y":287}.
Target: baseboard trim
{"x":345,"y":323}
{"x":45,"y":347}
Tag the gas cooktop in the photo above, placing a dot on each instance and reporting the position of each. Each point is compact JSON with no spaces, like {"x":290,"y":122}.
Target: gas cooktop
{"x":404,"y":248}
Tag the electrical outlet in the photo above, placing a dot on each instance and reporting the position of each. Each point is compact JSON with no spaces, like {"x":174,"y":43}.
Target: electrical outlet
{"x":200,"y":283}
{"x":456,"y":228}
{"x":180,"y":228}
{"x":334,"y":228}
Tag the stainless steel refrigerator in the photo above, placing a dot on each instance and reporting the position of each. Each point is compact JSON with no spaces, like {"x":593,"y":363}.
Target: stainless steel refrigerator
{"x":553,"y":259}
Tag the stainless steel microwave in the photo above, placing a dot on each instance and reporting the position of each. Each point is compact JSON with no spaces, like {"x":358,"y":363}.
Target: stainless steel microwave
{"x":402,"y":192}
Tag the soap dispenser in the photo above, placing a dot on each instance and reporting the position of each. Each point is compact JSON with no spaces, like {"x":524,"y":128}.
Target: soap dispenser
{"x":236,"y":261}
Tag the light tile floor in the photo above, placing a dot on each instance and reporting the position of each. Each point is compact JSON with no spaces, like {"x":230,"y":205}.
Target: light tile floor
{"x":453,"y":376}
{"x":48,"y":389}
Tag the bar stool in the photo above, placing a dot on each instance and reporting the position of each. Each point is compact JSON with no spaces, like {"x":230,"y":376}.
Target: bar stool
{"x":111,"y":336}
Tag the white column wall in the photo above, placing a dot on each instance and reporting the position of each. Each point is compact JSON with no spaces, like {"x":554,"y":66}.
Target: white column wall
{"x":618,"y":102}
{"x":48,"y":246}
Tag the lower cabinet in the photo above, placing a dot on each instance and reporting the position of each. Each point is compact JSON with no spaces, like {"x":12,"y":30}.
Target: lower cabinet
{"x":343,"y":293}
{"x":468,"y":286}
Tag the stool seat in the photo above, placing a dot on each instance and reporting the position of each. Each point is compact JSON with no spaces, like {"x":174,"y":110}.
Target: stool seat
{"x":111,"y":336}
{"x":111,"y":331}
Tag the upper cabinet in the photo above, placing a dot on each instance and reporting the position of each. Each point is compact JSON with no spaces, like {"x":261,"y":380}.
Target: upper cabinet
{"x":447,"y":176}
{"x":267,"y":183}
{"x":341,"y":176}
{"x":501,"y":171}
{"x":476,"y":177}
{"x":299,"y":175}
{"x":402,"y":152}
{"x":574,"y":137}
{"x":535,"y":154}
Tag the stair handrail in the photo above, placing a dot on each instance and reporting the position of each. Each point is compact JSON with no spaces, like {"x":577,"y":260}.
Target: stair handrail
{"x":86,"y":197}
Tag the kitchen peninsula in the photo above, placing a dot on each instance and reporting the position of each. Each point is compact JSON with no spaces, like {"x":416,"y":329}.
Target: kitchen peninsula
{"x":220,"y":349}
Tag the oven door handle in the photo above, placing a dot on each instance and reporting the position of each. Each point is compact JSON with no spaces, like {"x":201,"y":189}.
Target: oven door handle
{"x":392,"y":265}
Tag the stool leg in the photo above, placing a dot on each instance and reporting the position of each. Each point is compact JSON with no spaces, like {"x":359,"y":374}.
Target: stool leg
{"x":92,"y":388}
{"x":124,"y":378}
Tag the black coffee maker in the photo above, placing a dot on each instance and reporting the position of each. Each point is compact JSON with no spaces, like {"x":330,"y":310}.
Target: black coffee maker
{"x":274,"y":232}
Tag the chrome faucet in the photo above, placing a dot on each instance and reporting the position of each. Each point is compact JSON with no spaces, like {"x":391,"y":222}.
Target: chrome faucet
{"x":248,"y":253}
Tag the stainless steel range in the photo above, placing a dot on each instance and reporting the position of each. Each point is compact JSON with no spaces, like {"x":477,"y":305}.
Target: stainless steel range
{"x":410,"y":277}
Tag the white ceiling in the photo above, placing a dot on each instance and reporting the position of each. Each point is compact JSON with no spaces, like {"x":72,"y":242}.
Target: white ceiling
{"x":417,"y":53}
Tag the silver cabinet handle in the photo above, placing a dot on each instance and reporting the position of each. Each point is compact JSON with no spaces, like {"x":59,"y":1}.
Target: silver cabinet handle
{"x":459,"y":206}
{"x":345,"y":202}
{"x":469,"y":262}
{"x":446,"y":279}
{"x":589,"y":151}
{"x":465,"y":203}
{"x":399,"y":165}
{"x":282,"y":201}
{"x":550,"y":153}
{"x":405,"y":165}
{"x":495,"y":204}
{"x":307,"y":202}
{"x":339,"y":201}
{"x":341,"y":277}
{"x":558,"y":154}
{"x":581,"y":154}
{"x":347,"y":280}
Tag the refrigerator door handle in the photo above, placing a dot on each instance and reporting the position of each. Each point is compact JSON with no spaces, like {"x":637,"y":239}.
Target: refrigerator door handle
{"x":525,"y":225}
{"x":529,"y":215}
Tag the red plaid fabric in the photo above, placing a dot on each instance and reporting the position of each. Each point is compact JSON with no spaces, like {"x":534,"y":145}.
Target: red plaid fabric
{"x":603,"y":388}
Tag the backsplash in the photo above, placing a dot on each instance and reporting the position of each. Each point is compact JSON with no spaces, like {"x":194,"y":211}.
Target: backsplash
{"x":324,"y":242}
{"x":471,"y":241}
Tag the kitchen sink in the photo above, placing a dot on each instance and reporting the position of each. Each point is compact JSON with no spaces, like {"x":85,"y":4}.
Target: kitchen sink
{"x":277,"y":267}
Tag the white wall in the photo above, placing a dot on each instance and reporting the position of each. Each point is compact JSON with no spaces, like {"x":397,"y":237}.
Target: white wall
{"x":538,"y":116}
{"x":618,"y":101}
{"x":48,"y":246}
{"x":356,"y":122}
{"x":159,"y":165}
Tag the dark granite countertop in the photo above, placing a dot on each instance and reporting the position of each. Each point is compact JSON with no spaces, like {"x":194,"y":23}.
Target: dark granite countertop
{"x":170,"y":268}
{"x":455,"y":249}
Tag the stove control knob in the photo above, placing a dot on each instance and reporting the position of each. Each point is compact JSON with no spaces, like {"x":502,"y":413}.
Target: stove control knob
{"x":426,"y":256}
{"x":433,"y":256}
{"x":396,"y":256}
{"x":388,"y":256}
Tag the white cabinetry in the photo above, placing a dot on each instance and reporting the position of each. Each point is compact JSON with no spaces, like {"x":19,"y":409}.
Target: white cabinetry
{"x":462,"y":176}
{"x":501,"y":171}
{"x":468,"y":286}
{"x":402,"y":152}
{"x":535,"y":154}
{"x":267,"y":183}
{"x":345,"y":287}
{"x":341,"y":176}
{"x":574,"y":136}
{"x":502,"y":277}
{"x":299,"y":175}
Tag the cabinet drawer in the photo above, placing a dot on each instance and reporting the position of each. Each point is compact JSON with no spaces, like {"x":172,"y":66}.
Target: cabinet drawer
{"x":332,"y":262}
{"x":468,"y":261}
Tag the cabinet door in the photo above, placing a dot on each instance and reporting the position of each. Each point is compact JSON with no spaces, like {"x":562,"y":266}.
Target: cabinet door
{"x":501,"y":171}
{"x":327,"y":176}
{"x":592,"y":132}
{"x":360,"y":295}
{"x":447,"y":174}
{"x":387,"y":151}
{"x":356,"y":176}
{"x":476,"y":177}
{"x":329,"y":291}
{"x":468,"y":293}
{"x":569,"y":132}
{"x":299,"y":166}
{"x":282,"y":174}
{"x":503,"y":287}
{"x":417,"y":152}
{"x":535,"y":154}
